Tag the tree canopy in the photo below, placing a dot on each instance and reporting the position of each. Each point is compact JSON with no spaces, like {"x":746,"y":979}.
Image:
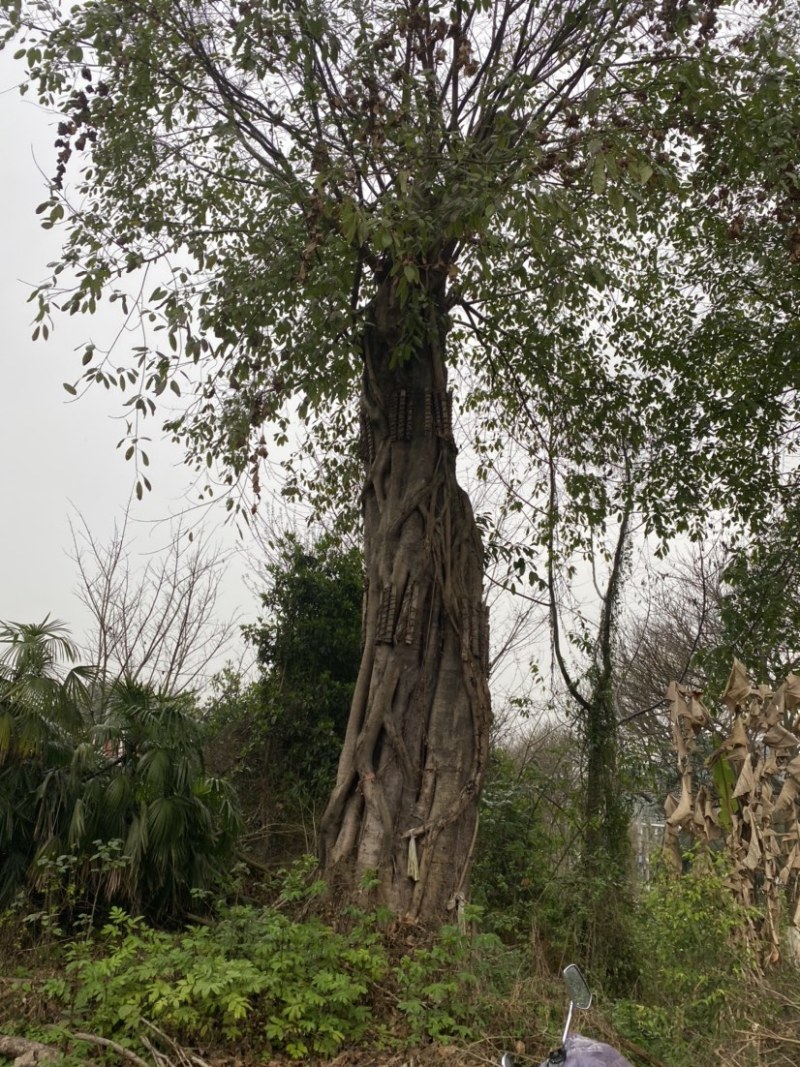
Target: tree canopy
{"x":610,"y":190}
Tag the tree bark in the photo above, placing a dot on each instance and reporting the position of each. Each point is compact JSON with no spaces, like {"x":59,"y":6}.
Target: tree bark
{"x":403,"y":814}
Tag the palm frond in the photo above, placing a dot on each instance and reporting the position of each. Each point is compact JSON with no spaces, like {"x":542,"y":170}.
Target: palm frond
{"x":36,"y":648}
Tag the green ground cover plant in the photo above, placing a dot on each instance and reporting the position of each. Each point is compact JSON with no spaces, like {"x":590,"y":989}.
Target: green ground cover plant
{"x":276,"y":985}
{"x":279,"y":982}
{"x":254,"y":975}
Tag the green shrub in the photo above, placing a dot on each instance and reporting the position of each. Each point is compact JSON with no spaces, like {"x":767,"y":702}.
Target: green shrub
{"x":272,"y":984}
{"x":517,"y":877}
{"x":693,"y":960}
{"x":451,"y":990}
{"x":279,"y":738}
{"x":104,"y":796}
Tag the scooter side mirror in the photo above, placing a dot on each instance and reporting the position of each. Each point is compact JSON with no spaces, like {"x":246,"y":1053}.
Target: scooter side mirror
{"x":580,"y":995}
{"x":579,"y":992}
{"x":506,"y":1061}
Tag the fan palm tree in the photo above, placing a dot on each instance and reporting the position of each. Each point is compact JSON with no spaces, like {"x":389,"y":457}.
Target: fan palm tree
{"x":42,"y":692}
{"x":177,"y":824}
{"x":83,"y":778}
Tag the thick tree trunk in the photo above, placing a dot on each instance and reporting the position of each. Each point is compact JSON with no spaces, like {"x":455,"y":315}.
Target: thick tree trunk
{"x":403,"y":815}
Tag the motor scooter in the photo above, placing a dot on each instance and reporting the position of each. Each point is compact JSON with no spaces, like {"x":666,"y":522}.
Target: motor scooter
{"x":575,"y":1050}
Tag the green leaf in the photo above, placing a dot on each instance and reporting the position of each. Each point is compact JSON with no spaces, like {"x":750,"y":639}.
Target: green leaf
{"x":599,"y":174}
{"x":725,"y":781}
{"x":644,"y":172}
{"x":615,"y":198}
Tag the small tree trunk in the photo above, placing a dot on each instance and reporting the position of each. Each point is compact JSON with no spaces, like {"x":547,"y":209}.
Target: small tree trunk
{"x":403,"y":814}
{"x":607,"y":846}
{"x":606,"y":856}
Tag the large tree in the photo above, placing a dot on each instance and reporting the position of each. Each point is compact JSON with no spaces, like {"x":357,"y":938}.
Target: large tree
{"x":363,"y":196}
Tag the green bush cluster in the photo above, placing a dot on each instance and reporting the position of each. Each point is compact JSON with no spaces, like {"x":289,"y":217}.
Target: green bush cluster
{"x":527,"y":873}
{"x":693,"y":960}
{"x":278,"y":738}
{"x":277,"y":985}
{"x":453,"y":989}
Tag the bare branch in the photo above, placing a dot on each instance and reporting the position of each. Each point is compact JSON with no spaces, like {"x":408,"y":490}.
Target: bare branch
{"x":155,"y":623}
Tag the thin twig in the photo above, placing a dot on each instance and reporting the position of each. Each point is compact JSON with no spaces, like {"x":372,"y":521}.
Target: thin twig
{"x":770,"y":1035}
{"x":159,"y":1059}
{"x":186,"y":1058}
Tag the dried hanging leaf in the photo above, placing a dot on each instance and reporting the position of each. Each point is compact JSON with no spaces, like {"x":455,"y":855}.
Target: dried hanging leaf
{"x":779,"y":737}
{"x":737,"y":744}
{"x":697,"y":713}
{"x":699,"y":814}
{"x":687,"y":713}
{"x":706,"y":817}
{"x":746,"y":782}
{"x":787,"y":795}
{"x":760,"y":758}
{"x":753,"y":858}
{"x":712,"y":808}
{"x":412,"y":869}
{"x":738,"y":688}
{"x":791,"y":692}
{"x":676,"y":711}
{"x":792,"y":864}
{"x":774,"y":708}
{"x":773,"y":953}
{"x":770,"y":843}
{"x":671,"y":851}
{"x":684,"y":806}
{"x":681,"y":748}
{"x":771,"y":764}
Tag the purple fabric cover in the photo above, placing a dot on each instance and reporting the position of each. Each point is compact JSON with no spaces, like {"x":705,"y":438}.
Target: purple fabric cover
{"x":586,"y":1052}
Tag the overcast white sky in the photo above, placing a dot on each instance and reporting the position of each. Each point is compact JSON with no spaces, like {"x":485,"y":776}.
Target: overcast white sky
{"x":57,"y":456}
